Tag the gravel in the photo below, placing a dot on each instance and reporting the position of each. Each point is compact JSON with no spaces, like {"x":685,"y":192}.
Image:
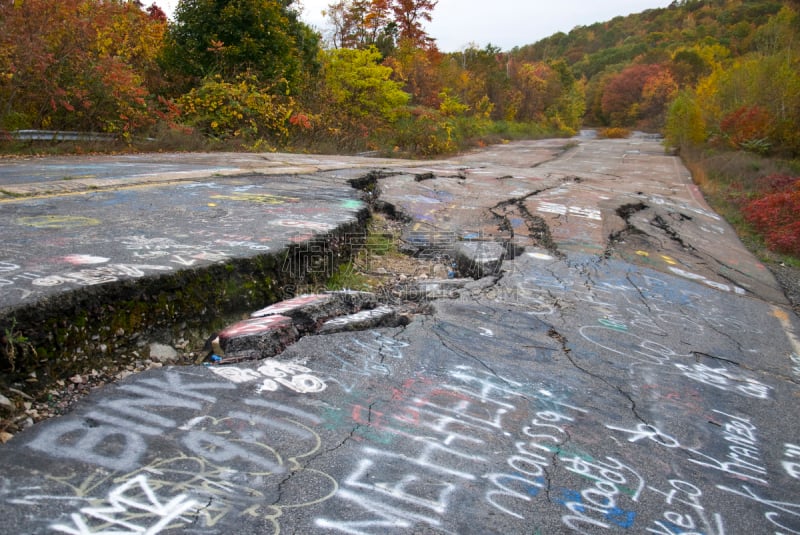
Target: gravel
{"x":789,"y":279}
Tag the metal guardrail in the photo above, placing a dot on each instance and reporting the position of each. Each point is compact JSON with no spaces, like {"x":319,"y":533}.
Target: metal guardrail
{"x":60,"y":135}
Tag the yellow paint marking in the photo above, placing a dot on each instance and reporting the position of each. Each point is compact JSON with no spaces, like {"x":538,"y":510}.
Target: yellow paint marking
{"x":263,"y":198}
{"x":57,"y":221}
{"x":669,"y":260}
{"x":783,"y":317}
{"x":643,"y":253}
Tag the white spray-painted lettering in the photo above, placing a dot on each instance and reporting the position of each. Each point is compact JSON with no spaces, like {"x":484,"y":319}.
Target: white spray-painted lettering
{"x":133,"y":507}
{"x":679,"y":496}
{"x":260,"y":444}
{"x":364,"y":315}
{"x":630,"y":345}
{"x":272,"y":375}
{"x":116,"y":438}
{"x":99,"y":275}
{"x":451,"y":418}
{"x":645,"y":431}
{"x":792,"y":466}
{"x":776,"y":512}
{"x":364,"y":359}
{"x":723,"y":379}
{"x":743,"y":460}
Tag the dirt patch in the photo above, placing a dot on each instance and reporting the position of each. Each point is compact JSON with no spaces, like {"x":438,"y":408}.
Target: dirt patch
{"x":789,"y":279}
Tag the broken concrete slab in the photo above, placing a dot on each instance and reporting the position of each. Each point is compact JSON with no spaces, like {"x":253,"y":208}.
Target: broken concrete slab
{"x":257,"y":338}
{"x":480,"y":284}
{"x":427,"y":290}
{"x":310,"y":311}
{"x":271,"y":329}
{"x":480,"y":258}
{"x":382,"y":316}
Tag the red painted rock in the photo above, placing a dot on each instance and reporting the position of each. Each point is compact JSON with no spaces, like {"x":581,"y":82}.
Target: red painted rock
{"x":310,"y":312}
{"x":257,"y":338}
{"x":293,"y":305}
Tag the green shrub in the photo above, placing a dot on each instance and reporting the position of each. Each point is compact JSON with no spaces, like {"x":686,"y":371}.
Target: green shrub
{"x":242,"y":109}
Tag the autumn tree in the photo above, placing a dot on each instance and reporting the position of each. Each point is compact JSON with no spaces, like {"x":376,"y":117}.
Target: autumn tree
{"x":237,"y":110}
{"x":410,"y":16}
{"x":380,"y":23}
{"x":566,"y":114}
{"x":362,"y":24}
{"x":361,"y":86}
{"x":622,"y":95}
{"x":477,"y":77}
{"x":688,"y":67}
{"x":657,"y":93}
{"x":487,"y":65}
{"x":418,"y":70}
{"x":78,"y":64}
{"x":534,"y":88}
{"x":347,"y":22}
{"x":685,"y":126}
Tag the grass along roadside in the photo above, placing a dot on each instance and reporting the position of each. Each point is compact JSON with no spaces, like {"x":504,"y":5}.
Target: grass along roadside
{"x":739,"y":184}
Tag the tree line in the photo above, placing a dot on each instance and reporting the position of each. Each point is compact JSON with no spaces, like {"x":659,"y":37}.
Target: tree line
{"x":250,"y":73}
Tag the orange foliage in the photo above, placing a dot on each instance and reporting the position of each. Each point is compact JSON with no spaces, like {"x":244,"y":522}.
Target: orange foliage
{"x":745,"y":124}
{"x":78,"y":64}
{"x":622,"y":95}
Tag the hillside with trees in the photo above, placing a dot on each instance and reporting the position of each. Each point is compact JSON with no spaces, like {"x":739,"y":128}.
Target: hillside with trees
{"x":726,"y":69}
{"x":721,"y":80}
{"x":716,"y":77}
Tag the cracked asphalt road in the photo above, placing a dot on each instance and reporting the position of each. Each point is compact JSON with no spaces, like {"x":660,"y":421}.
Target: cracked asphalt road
{"x":632,"y":369}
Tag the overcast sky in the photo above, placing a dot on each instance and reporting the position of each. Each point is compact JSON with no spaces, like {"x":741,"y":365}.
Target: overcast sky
{"x":503,"y":23}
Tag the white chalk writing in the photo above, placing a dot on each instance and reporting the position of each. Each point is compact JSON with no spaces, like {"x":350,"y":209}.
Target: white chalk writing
{"x":273,"y":374}
{"x":133,"y":507}
{"x":743,"y":458}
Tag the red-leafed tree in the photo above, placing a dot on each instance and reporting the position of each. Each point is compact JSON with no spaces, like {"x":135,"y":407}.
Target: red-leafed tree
{"x":622,"y":95}
{"x":78,"y":64}
{"x":657,"y":94}
{"x":747,"y":125}
{"x":410,"y":15}
{"x":777,"y":217}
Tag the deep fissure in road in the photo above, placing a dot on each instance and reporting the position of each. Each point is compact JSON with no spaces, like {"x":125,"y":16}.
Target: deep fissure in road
{"x":99,"y":330}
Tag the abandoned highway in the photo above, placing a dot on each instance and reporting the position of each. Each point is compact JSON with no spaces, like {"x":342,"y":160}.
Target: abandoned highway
{"x":600,"y":354}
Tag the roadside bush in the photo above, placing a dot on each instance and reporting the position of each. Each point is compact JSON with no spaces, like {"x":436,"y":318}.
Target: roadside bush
{"x":614,"y":133}
{"x":424,"y":131}
{"x":748,"y":128}
{"x":242,"y":109}
{"x":777,"y":217}
{"x":776,"y":183}
{"x":519,"y":130}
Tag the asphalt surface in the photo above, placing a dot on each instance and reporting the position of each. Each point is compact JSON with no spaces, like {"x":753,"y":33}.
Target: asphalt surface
{"x":628,"y":368}
{"x":154,"y":214}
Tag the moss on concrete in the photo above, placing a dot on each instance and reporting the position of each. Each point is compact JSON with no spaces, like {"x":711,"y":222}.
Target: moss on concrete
{"x":110,"y":324}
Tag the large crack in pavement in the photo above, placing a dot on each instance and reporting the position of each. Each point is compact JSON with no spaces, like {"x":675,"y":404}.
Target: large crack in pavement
{"x":619,"y":237}
{"x":567,"y":351}
{"x":669,"y":240}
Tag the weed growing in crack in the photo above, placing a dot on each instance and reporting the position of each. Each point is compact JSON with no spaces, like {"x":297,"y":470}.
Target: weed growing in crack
{"x":15,"y":345}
